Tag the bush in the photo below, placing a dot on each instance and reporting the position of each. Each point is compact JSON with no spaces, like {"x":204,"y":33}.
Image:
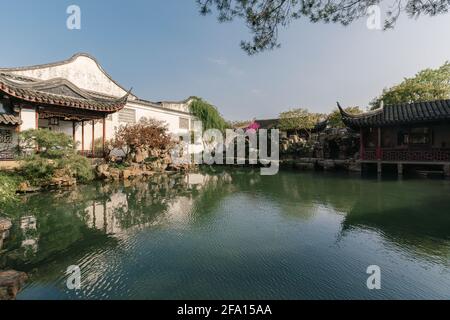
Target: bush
{"x":78,"y":166}
{"x":147,"y":134}
{"x":8,"y":188}
{"x":56,"y":153}
{"x":37,"y":169}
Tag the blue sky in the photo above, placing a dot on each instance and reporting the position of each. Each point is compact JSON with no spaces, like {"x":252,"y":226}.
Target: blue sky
{"x":166,"y":51}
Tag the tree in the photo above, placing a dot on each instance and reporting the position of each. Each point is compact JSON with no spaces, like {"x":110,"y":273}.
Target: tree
{"x":147,"y":134}
{"x":239,"y":123}
{"x":428,"y":84}
{"x":55,"y":153}
{"x":335,"y":118}
{"x":50,"y":144}
{"x":265,"y":17}
{"x":299,"y":119}
{"x":208,"y":115}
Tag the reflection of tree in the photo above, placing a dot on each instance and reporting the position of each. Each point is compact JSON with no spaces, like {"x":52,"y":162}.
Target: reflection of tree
{"x":60,"y":225}
{"x":71,"y":224}
{"x":298,"y":194}
{"x":208,"y":198}
{"x":407,"y":215}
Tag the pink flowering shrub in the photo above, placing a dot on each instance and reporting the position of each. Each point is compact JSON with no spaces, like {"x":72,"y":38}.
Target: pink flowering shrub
{"x":253,"y":126}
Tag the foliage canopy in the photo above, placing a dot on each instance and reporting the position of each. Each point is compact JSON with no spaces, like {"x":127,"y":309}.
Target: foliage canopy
{"x":208,"y":115}
{"x":264,"y":17}
{"x":299,"y":119}
{"x":147,"y":134}
{"x":428,"y":84}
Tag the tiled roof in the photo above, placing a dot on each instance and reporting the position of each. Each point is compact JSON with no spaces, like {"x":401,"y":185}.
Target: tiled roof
{"x":59,"y":92}
{"x":392,"y":115}
{"x":9,"y":119}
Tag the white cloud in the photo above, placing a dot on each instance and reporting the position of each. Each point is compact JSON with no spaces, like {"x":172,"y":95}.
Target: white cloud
{"x":227,"y":67}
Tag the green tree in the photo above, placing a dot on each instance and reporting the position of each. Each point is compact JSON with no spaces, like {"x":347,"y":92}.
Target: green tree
{"x":51,"y":144}
{"x":208,"y":115}
{"x":299,"y":119}
{"x":264,"y":17}
{"x":428,"y":84}
{"x":335,"y":118}
{"x":55,"y":152}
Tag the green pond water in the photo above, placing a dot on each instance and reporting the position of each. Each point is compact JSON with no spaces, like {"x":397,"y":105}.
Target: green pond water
{"x":233,"y":234}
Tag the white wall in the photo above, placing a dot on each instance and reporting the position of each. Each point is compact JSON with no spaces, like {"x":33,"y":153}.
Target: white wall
{"x":169,"y":117}
{"x":28,"y":117}
{"x":81,"y":71}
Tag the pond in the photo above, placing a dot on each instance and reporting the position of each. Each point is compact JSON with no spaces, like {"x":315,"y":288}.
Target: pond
{"x":234,"y":234}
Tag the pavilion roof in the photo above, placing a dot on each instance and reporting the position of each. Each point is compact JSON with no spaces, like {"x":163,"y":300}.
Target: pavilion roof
{"x":399,"y":114}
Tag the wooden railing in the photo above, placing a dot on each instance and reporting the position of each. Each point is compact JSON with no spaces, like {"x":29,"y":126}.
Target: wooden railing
{"x":388,"y":154}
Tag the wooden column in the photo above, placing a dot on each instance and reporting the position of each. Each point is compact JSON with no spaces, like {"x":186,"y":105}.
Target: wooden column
{"x":82,"y":136}
{"x":37,"y":119}
{"x":37,"y":127}
{"x":379,"y":168}
{"x":447,"y":170}
{"x":379,"y":155}
{"x":104,"y":134}
{"x":73,"y":131}
{"x":400,"y":169}
{"x":93,"y":137}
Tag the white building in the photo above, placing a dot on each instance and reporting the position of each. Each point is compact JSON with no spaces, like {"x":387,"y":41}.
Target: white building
{"x":77,"y":97}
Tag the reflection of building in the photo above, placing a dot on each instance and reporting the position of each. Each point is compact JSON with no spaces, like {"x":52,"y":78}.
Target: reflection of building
{"x":79,"y":98}
{"x":142,"y":206}
{"x":30,"y":241}
{"x":28,"y":223}
{"x":408,"y":134}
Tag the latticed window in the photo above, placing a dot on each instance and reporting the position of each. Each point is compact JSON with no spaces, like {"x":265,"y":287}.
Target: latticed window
{"x":184,"y":123}
{"x":4,"y":107}
{"x":127,"y":116}
{"x":420,"y":136}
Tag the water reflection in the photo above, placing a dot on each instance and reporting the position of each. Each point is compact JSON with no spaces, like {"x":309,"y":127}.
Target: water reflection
{"x":216,"y":210}
{"x":52,"y":224}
